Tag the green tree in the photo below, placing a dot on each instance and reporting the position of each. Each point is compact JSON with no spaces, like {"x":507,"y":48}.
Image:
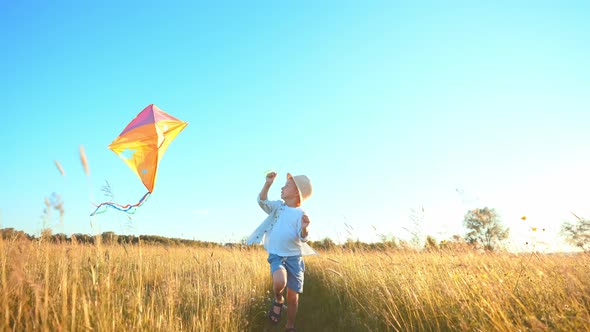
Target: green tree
{"x":455,"y":243}
{"x":389,"y":242}
{"x":430,"y":243}
{"x":484,"y":228}
{"x":577,"y":234}
{"x":109,"y":237}
{"x":12,"y":234}
{"x":327,"y":243}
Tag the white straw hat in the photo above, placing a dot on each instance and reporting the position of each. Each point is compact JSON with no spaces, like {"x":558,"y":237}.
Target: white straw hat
{"x":303,"y":186}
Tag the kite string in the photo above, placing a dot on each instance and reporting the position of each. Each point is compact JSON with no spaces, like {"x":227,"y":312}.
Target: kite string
{"x":129,"y":208}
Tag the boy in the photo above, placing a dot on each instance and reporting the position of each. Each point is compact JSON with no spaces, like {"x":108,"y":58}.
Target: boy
{"x":284,"y":233}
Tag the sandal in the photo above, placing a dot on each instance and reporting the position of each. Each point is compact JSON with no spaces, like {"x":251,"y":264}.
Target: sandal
{"x":272,"y":315}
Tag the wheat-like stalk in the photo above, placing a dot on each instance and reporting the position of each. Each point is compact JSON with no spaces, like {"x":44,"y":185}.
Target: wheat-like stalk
{"x":84,"y":161}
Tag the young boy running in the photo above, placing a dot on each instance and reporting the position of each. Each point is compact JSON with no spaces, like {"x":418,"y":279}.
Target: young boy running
{"x":284,"y":233}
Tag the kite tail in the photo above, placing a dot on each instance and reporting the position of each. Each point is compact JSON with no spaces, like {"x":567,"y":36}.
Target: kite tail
{"x":124,"y":208}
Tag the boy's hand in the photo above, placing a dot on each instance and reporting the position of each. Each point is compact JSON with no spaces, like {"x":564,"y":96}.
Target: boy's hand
{"x":304,"y":224}
{"x":305,"y":221}
{"x":270,"y":177}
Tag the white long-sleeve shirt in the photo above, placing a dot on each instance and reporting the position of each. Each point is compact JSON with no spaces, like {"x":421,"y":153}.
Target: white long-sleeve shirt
{"x":280,"y":232}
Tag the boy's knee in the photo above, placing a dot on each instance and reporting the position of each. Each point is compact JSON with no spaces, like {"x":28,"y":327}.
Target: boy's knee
{"x":279,"y":276}
{"x":292,"y":296}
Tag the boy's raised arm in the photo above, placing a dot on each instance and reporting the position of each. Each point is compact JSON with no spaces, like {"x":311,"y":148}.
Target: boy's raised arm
{"x":270,"y":177}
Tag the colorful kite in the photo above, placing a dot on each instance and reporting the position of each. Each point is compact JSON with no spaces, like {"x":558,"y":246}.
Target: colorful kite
{"x":141,"y":146}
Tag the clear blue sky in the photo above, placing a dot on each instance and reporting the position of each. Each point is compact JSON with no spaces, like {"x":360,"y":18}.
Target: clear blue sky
{"x":387,"y":106}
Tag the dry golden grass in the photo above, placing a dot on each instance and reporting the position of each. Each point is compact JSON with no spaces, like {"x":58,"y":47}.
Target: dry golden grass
{"x":66,"y":287}
{"x":70,"y":287}
{"x":446,"y":291}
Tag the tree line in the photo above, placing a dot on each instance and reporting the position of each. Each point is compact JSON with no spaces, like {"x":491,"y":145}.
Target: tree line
{"x":104,"y":238}
{"x":113,"y":238}
{"x":484,"y":230}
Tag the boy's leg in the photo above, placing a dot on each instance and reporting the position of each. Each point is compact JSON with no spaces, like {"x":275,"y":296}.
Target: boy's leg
{"x":295,"y":277}
{"x":279,"y":281}
{"x":292,"y":304}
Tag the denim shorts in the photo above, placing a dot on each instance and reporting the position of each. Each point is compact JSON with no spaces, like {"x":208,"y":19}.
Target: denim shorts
{"x":294,"y":266}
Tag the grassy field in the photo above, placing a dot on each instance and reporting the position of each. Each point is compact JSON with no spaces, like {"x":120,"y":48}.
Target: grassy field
{"x":69,"y":287}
